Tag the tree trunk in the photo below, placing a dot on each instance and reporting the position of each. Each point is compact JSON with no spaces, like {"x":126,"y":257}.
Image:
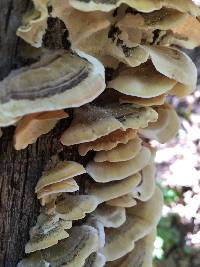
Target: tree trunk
{"x":20,"y":170}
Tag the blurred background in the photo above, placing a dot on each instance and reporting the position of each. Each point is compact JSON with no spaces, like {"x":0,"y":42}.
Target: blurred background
{"x":178,"y":174}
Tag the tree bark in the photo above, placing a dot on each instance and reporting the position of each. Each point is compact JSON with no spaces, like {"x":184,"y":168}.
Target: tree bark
{"x":20,"y":170}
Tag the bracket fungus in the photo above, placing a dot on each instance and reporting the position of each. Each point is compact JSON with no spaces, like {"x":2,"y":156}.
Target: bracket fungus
{"x":125,"y":45}
{"x":125,"y":201}
{"x":143,"y":81}
{"x":122,"y":152}
{"x":165,"y":128}
{"x":98,"y":225}
{"x":62,"y":171}
{"x":112,"y":217}
{"x":73,"y":251}
{"x":32,"y":126}
{"x":189,"y":37}
{"x":48,"y":230}
{"x":162,"y":19}
{"x":146,"y":188}
{"x":173,"y":73}
{"x":107,"y":191}
{"x":176,"y":65}
{"x":47,"y":235}
{"x":140,"y":256}
{"x":108,"y":142}
{"x":141,"y":220}
{"x":35,"y":89}
{"x":131,"y":118}
{"x":90,"y":123}
{"x":57,"y":180}
{"x":140,"y":5}
{"x":145,"y":102}
{"x":80,"y":27}
{"x":51,"y":190}
{"x":34,"y":23}
{"x":75,"y":207}
{"x":103,"y":172}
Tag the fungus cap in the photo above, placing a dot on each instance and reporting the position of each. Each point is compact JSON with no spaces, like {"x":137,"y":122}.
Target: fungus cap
{"x":175,"y":65}
{"x":68,"y":185}
{"x":32,"y":126}
{"x":141,"y":255}
{"x":75,"y":207}
{"x":143,"y":81}
{"x":57,"y":81}
{"x":146,"y":188}
{"x":165,"y":128}
{"x":112,"y":217}
{"x":103,"y":172}
{"x":108,"y":142}
{"x":141,"y":220}
{"x":62,"y":171}
{"x":145,"y":102}
{"x":126,"y":201}
{"x":108,"y":191}
{"x":122,"y":152}
{"x":72,"y":251}
{"x":34,"y":24}
{"x":90,"y":123}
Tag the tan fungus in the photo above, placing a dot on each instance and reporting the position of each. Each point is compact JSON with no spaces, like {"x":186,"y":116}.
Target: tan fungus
{"x":70,"y":252}
{"x":32,"y":126}
{"x":143,"y":81}
{"x":34,"y":24}
{"x":108,"y":142}
{"x":141,"y":220}
{"x":47,"y":232}
{"x":79,"y":25}
{"x":68,"y":185}
{"x":141,"y":255}
{"x":165,"y":128}
{"x":146,"y":6}
{"x":176,"y":65}
{"x":104,"y":172}
{"x":189,"y":30}
{"x":122,"y":152}
{"x":131,"y":117}
{"x":144,"y":102}
{"x":125,"y":201}
{"x":163,"y":19}
{"x":75,"y":207}
{"x":61,"y":172}
{"x":146,"y":188}
{"x":90,"y":123}
{"x":107,"y":191}
{"x":112,"y":217}
{"x":57,"y":81}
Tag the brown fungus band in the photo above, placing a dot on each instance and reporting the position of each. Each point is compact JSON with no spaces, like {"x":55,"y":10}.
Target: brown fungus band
{"x":125,"y":48}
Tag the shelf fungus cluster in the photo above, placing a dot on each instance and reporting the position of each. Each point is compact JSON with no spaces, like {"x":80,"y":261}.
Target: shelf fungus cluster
{"x":112,"y":85}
